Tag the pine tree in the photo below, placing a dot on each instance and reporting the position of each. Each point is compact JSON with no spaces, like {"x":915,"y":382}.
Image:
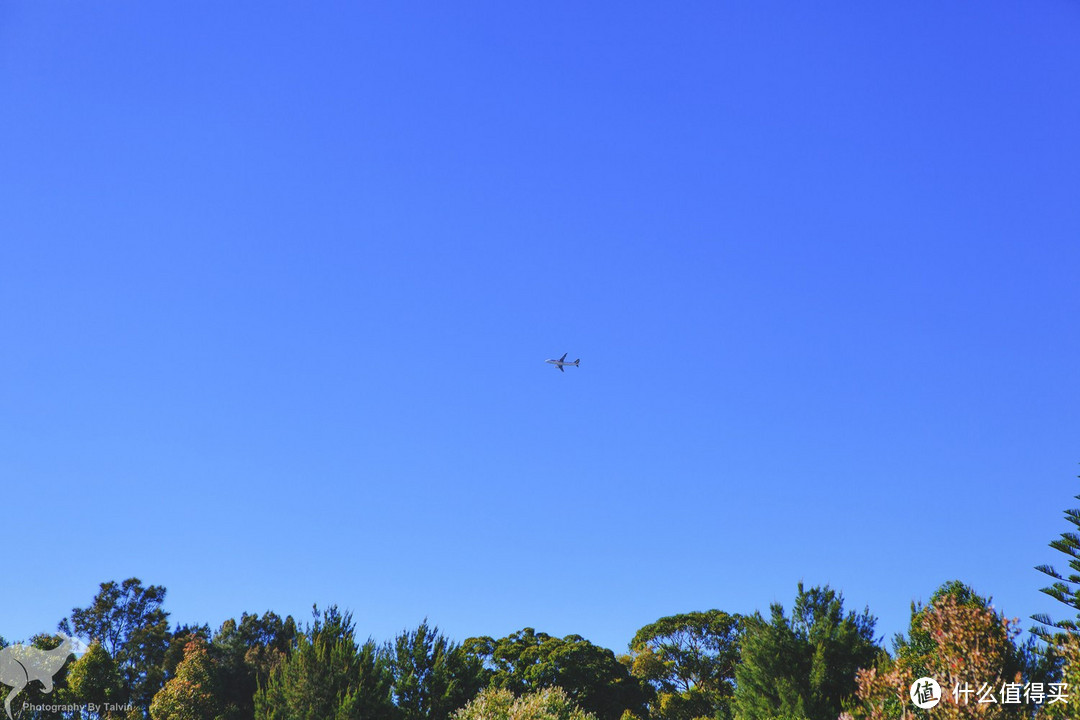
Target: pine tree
{"x":432,"y":676}
{"x":803,"y":667}
{"x":327,"y":676}
{"x":1065,"y":589}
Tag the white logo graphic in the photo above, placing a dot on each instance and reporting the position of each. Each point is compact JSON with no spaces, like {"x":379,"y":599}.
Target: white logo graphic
{"x":22,"y":664}
{"x":925,"y":693}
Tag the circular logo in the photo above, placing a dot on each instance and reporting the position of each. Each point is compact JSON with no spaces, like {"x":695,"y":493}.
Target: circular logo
{"x":925,"y":693}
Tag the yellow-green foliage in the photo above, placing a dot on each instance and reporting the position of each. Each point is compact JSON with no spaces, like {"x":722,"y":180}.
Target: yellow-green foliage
{"x":1068,"y":648}
{"x":93,"y":678}
{"x":498,"y":704}
{"x":191,"y":695}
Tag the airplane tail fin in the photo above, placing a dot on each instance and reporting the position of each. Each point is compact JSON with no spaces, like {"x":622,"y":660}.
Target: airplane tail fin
{"x":577,"y":363}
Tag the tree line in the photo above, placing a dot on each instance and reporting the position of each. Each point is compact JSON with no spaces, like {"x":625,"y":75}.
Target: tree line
{"x":820,"y":661}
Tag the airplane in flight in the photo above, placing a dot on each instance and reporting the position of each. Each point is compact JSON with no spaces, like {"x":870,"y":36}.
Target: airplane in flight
{"x":562,"y":361}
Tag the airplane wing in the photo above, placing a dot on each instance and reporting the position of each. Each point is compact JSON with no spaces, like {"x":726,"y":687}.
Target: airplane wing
{"x":560,"y":367}
{"x":563,"y":357}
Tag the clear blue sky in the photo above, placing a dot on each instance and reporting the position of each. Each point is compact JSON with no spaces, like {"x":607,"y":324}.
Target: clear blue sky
{"x":277,"y":281}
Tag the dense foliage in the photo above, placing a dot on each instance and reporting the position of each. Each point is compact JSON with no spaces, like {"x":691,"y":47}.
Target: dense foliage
{"x":591,"y":675}
{"x":433,"y":677}
{"x":129,"y":622}
{"x":499,"y":704}
{"x":961,"y":642}
{"x":328,"y":675}
{"x":690,"y":661}
{"x":820,"y":662}
{"x":803,"y":666}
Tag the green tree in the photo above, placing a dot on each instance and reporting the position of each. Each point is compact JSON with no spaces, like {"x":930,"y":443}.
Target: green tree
{"x":35,"y":693}
{"x":803,"y":667}
{"x":128,"y":622}
{"x":500,"y":704}
{"x":432,"y":676}
{"x":920,"y":645}
{"x":245,"y":652}
{"x":690,"y":660}
{"x":1067,"y":648}
{"x":959,"y":640}
{"x":593,"y":679}
{"x":1065,"y":588}
{"x":94,"y":679}
{"x":177,"y":648}
{"x":326,"y":676}
{"x":194,"y":692}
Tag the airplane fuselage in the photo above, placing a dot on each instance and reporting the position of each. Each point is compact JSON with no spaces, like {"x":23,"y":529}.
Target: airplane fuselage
{"x":562,"y":362}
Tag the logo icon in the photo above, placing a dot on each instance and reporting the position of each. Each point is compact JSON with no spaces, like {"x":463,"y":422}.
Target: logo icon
{"x":22,"y":664}
{"x":925,"y":693}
